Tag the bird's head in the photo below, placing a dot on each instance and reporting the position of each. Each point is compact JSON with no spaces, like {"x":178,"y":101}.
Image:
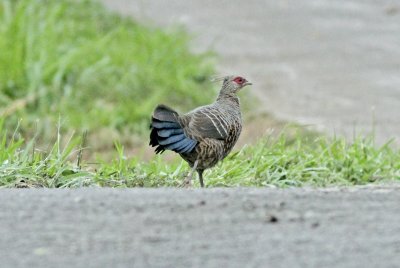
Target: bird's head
{"x":232,"y":84}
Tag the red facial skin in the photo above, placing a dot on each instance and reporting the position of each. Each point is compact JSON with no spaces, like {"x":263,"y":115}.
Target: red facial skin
{"x":239,"y":80}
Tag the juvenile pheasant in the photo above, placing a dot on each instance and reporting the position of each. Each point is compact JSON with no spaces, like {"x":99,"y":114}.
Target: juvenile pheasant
{"x":203,"y":136}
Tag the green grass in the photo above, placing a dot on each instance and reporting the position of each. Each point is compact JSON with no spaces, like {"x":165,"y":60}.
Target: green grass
{"x":96,"y":70}
{"x":279,"y":161}
{"x":74,"y":60}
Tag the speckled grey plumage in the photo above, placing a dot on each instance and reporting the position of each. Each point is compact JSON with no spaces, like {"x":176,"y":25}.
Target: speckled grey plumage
{"x":204,"y":136}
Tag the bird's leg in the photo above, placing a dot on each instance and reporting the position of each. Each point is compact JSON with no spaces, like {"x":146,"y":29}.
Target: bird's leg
{"x":200,"y":172}
{"x":187,"y":182}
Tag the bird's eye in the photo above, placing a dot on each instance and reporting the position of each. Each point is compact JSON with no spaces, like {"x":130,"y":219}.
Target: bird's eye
{"x":239,"y":80}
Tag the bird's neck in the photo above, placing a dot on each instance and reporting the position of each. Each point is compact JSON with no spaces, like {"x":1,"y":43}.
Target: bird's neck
{"x":228,"y":97}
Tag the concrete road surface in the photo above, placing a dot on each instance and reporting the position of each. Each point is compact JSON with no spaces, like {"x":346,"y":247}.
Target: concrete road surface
{"x":357,"y":227}
{"x":332,"y":64}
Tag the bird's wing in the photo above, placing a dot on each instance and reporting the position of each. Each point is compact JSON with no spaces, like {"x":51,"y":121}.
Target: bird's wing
{"x":206,"y":122}
{"x":167,"y":133}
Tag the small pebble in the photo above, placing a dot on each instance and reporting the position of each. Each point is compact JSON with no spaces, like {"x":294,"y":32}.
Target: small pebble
{"x":272,"y":219}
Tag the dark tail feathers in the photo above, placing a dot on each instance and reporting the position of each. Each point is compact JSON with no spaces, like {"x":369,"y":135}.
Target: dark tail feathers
{"x":166,"y":132}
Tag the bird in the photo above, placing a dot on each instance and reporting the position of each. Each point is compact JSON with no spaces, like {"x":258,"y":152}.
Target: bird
{"x":203,"y":136}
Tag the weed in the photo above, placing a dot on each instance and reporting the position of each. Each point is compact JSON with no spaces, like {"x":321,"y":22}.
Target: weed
{"x":274,"y":161}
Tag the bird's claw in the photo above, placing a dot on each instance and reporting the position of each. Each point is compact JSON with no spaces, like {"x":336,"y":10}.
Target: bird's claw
{"x":187,"y":183}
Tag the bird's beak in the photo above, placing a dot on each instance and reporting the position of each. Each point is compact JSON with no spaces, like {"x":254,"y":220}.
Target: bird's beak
{"x":247,"y":84}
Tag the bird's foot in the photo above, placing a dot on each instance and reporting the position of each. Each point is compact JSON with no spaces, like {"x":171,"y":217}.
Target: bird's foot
{"x":187,"y":183}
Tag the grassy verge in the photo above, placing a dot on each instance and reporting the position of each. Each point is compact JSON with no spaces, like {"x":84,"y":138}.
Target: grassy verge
{"x":76,"y":60}
{"x":280,"y":161}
